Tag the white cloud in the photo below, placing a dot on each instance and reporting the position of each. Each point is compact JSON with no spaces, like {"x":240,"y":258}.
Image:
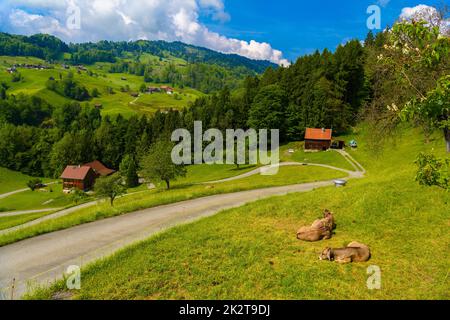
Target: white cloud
{"x":426,"y":13}
{"x":169,"y":20}
{"x":383,"y":3}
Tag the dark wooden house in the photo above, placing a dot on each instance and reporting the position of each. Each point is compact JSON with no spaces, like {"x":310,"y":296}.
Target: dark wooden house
{"x":78,"y":177}
{"x":318,"y":139}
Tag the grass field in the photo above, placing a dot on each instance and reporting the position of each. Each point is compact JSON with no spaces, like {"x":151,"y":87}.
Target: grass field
{"x":34,"y":83}
{"x":252,"y":252}
{"x":49,"y":197}
{"x":180,"y":192}
{"x":13,"y":180}
{"x":330,"y":157}
{"x":215,"y":172}
{"x":12,"y":221}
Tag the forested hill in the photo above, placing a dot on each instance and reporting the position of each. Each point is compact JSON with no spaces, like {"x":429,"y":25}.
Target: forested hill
{"x":51,"y":48}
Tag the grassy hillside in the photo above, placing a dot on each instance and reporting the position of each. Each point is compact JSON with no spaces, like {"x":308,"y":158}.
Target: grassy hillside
{"x":252,"y":252}
{"x":12,"y":221}
{"x":34,"y":83}
{"x":50,"y":197}
{"x":13,"y":180}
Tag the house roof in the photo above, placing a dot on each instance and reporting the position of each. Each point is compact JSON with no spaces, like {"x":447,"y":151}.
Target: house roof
{"x":99,"y":168}
{"x":75,"y":172}
{"x":318,"y":134}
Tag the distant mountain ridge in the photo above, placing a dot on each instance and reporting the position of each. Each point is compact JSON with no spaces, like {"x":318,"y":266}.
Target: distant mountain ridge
{"x":52,"y":48}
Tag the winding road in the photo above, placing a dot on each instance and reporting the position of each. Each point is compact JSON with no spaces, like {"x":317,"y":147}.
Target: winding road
{"x":45,"y":258}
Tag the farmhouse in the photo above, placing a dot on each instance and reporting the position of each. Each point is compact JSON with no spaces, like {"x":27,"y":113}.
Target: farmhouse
{"x":78,"y":177}
{"x":167,"y":89}
{"x":83,"y":177}
{"x":99,"y":168}
{"x":318,"y":139}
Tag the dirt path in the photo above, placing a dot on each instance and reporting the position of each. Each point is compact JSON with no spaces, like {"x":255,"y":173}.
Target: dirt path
{"x":19,"y":213}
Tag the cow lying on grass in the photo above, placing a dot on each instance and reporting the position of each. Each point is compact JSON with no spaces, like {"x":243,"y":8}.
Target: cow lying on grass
{"x":319,"y":230}
{"x":354,"y":252}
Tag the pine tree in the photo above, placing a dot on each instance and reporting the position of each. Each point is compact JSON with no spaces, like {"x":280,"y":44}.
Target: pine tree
{"x":132,"y":176}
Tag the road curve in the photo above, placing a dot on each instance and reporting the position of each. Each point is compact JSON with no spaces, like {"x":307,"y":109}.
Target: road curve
{"x":44,"y":258}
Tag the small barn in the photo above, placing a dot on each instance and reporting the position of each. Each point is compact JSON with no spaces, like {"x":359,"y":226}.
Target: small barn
{"x":78,"y":177}
{"x":318,"y":139}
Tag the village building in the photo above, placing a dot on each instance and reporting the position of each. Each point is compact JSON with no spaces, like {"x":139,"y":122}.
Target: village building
{"x":318,"y":139}
{"x":100,"y":169}
{"x":83,"y":177}
{"x":153,"y":89}
{"x":11,"y":70}
{"x":167,"y":89}
{"x":78,"y":177}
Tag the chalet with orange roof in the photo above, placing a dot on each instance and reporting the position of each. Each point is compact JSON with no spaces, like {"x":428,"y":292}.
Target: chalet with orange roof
{"x":318,"y":139}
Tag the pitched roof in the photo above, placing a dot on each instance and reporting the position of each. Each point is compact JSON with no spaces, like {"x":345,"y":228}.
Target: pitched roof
{"x":318,"y":134}
{"x":100,"y":168}
{"x":75,"y":172}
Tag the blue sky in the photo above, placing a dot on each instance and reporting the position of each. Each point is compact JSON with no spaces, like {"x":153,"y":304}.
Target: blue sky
{"x":300,"y":27}
{"x":278,"y":31}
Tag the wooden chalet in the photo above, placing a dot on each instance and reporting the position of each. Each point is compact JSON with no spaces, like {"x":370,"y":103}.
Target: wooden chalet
{"x":83,"y":177}
{"x":318,"y":139}
{"x":78,"y":177}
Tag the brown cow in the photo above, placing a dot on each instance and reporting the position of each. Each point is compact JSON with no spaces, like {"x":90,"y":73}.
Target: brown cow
{"x":320,"y":229}
{"x":354,"y":252}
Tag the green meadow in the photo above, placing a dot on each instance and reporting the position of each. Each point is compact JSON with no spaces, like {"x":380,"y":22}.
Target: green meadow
{"x":12,"y":221}
{"x":118,"y":102}
{"x":13,"y":180}
{"x":51,"y":196}
{"x":330,"y":157}
{"x":252,"y":252}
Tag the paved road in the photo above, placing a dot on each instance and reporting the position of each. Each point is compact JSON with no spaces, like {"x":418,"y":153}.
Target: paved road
{"x":44,"y":258}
